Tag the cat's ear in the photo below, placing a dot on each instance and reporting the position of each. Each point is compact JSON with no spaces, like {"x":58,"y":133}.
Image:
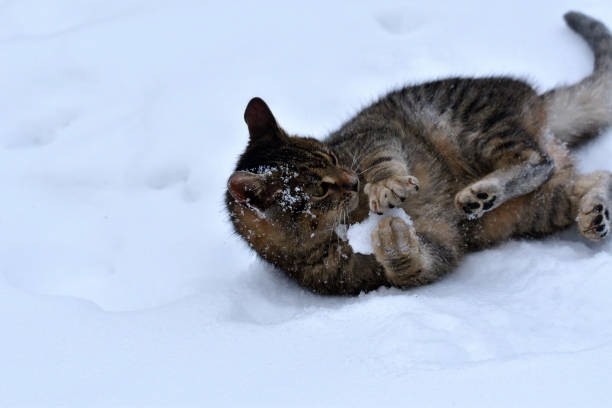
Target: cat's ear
{"x":261,"y":121}
{"x":247,"y":187}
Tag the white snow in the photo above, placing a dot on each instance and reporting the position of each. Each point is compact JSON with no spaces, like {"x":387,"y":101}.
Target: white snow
{"x":121,"y":282}
{"x":359,"y":234}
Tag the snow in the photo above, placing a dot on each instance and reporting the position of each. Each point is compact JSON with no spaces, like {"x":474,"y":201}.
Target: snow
{"x":121,"y":282}
{"x":359,"y":234}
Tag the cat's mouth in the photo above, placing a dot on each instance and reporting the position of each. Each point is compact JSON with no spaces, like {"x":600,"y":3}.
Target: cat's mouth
{"x":352,"y":200}
{"x":348,"y":184}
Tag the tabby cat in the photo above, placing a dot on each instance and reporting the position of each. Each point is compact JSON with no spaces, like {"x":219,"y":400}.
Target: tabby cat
{"x":472,"y":161}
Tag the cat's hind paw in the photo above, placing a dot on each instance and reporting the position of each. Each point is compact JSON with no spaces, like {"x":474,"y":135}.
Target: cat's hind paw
{"x":479,"y":198}
{"x":390,"y":192}
{"x":593,"y":219}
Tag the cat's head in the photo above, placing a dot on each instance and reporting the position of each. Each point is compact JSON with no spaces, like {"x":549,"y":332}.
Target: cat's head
{"x":287,"y":190}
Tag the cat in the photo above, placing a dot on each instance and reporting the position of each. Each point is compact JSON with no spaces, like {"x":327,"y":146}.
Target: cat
{"x":473,"y":162}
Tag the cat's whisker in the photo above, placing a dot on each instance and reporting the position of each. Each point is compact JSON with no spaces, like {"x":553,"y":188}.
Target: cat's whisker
{"x":360,"y":173}
{"x":355,"y":162}
{"x":346,"y":212}
{"x":358,"y":158}
{"x":343,"y":214}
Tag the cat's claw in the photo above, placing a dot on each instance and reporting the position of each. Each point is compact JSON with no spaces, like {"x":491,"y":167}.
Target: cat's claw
{"x":390,"y":192}
{"x":593,"y":219}
{"x":477,"y":199}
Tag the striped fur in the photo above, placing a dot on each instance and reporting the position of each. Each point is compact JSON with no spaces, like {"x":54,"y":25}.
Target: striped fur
{"x":473,"y":161}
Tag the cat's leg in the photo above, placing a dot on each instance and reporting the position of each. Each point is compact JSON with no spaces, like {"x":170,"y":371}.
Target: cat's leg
{"x":411,"y":258}
{"x":520,"y":167}
{"x":566,"y":198}
{"x":387,"y":180}
{"x":594,"y":205}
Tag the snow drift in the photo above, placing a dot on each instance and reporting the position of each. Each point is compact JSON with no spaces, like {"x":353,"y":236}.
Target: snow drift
{"x":121,"y":282}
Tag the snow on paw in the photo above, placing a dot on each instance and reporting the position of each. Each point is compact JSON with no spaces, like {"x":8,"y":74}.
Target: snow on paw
{"x":390,"y":192}
{"x":593,"y":218}
{"x":479,"y":198}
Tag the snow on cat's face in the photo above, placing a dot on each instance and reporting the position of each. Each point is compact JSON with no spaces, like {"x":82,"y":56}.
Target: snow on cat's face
{"x":287,"y":191}
{"x":302,"y":193}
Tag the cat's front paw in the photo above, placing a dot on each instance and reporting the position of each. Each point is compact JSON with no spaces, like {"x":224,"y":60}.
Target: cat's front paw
{"x":390,"y":192}
{"x":396,"y":247}
{"x":478,"y":198}
{"x":593,"y":218}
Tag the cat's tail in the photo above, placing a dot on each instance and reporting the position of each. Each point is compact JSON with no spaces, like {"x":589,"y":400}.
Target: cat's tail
{"x":579,"y":112}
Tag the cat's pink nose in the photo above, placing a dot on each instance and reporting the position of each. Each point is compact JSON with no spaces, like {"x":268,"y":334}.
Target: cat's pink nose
{"x":348,"y":181}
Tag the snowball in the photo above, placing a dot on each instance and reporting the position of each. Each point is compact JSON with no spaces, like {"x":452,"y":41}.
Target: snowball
{"x":360,"y":235}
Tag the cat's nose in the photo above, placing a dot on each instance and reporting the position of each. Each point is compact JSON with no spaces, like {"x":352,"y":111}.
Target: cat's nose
{"x":348,"y":181}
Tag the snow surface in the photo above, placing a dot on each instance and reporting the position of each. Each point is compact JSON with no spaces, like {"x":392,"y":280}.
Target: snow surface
{"x":121,"y":283}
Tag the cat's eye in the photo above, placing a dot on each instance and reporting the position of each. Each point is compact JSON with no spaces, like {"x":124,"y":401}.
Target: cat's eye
{"x":321,"y":190}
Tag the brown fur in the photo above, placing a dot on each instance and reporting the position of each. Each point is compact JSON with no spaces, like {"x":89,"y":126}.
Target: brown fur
{"x":472,"y":161}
